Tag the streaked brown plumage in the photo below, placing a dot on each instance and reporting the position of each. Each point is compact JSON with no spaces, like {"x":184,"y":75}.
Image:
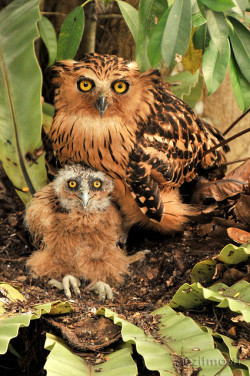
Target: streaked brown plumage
{"x":77,"y":228}
{"x":146,"y":138}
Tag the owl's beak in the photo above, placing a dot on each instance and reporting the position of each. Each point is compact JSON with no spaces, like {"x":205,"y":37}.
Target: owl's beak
{"x":101,"y":104}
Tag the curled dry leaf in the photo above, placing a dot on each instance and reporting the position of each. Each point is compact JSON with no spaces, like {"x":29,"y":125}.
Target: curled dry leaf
{"x":239,"y":236}
{"x":242,"y":209}
{"x":231,"y":185}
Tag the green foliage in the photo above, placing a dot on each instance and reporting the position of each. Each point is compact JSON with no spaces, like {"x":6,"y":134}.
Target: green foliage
{"x":166,"y":37}
{"x":20,"y":98}
{"x":48,"y":35}
{"x":215,"y":65}
{"x":130,"y":15}
{"x":182,"y":342}
{"x":11,"y":323}
{"x":61,"y":362}
{"x":187,"y":86}
{"x":70,"y":34}
{"x":204,"y":271}
{"x":236,"y":297}
{"x":177,"y":32}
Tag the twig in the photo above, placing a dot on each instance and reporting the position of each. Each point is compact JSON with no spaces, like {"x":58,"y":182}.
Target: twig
{"x":235,"y":122}
{"x":232,"y":162}
{"x":226,"y":141}
{"x":109,"y":15}
{"x":53,"y":14}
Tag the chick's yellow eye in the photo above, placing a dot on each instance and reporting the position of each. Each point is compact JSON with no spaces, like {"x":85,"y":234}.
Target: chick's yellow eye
{"x":72,"y":184}
{"x":85,"y":85}
{"x":120,"y":87}
{"x":97,"y":184}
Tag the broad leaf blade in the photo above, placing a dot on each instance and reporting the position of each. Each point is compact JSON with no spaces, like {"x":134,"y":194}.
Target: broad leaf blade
{"x":20,"y":98}
{"x":234,"y":255}
{"x":240,"y":39}
{"x":218,"y":29}
{"x":130,"y":15}
{"x":177,"y":32}
{"x":219,"y":5}
{"x":201,"y":38}
{"x":178,"y":335}
{"x":61,"y":362}
{"x":48,"y":36}
{"x":214,"y":66}
{"x":70,"y":34}
{"x":236,"y":297}
{"x":240,"y":85}
{"x":154,"y":46}
{"x":183,"y":83}
{"x":146,"y":26}
{"x":11,"y":323}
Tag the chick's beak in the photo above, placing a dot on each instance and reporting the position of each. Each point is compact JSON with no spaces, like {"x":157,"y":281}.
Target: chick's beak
{"x":101,"y":104}
{"x":85,"y":198}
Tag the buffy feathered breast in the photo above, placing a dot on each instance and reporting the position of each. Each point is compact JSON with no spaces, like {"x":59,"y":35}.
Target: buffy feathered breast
{"x":130,"y":126}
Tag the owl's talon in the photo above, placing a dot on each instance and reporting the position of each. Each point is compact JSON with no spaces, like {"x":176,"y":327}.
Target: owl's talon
{"x":103,"y":290}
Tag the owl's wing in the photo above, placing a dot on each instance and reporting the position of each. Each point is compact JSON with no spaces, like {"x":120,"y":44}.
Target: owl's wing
{"x":169,"y":149}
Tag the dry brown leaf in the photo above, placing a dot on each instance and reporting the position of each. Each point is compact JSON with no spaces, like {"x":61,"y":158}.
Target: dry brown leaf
{"x":242,"y":209}
{"x":244,"y":347}
{"x":239,"y":236}
{"x":232,"y":331}
{"x":231,"y":185}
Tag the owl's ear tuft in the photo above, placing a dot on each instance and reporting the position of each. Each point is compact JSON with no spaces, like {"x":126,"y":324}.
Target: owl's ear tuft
{"x":151,"y":72}
{"x":57,"y":70}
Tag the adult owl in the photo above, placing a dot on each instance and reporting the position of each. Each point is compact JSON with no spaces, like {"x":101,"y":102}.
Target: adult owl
{"x":131,"y":126}
{"x":77,"y":227}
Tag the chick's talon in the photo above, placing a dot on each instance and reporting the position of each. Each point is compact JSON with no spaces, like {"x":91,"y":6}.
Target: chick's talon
{"x":69,"y":282}
{"x":103,"y":290}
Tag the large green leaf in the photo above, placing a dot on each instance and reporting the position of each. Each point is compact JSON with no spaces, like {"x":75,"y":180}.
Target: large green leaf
{"x":236,"y":297}
{"x":240,"y":85}
{"x":218,"y":29}
{"x":197,"y":17}
{"x":233,"y":255}
{"x":180,"y":341}
{"x":20,"y":98}
{"x":48,"y":36}
{"x":154,"y":45}
{"x":61,"y":361}
{"x":201,"y":38}
{"x":145,"y":29}
{"x":219,"y":5}
{"x":11,"y":323}
{"x":177,"y":31}
{"x":240,"y":40}
{"x":130,"y":15}
{"x":70,"y":34}
{"x":214,"y":66}
{"x":183,"y":83}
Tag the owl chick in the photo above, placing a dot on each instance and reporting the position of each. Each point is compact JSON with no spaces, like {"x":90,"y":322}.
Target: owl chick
{"x":130,"y":126}
{"x":78,"y":228}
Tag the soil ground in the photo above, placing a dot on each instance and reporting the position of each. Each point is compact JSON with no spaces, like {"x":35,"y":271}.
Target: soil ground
{"x":152,"y":283}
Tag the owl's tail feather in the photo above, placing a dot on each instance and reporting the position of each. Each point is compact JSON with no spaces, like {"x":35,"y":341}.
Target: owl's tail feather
{"x":175,"y":214}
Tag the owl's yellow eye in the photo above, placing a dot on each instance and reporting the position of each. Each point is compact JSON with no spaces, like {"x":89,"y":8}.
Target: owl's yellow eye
{"x":120,"y":87}
{"x":97,"y":184}
{"x":72,"y":184}
{"x":85,"y":85}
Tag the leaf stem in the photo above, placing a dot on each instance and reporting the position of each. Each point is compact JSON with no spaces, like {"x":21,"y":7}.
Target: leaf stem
{"x":85,"y":3}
